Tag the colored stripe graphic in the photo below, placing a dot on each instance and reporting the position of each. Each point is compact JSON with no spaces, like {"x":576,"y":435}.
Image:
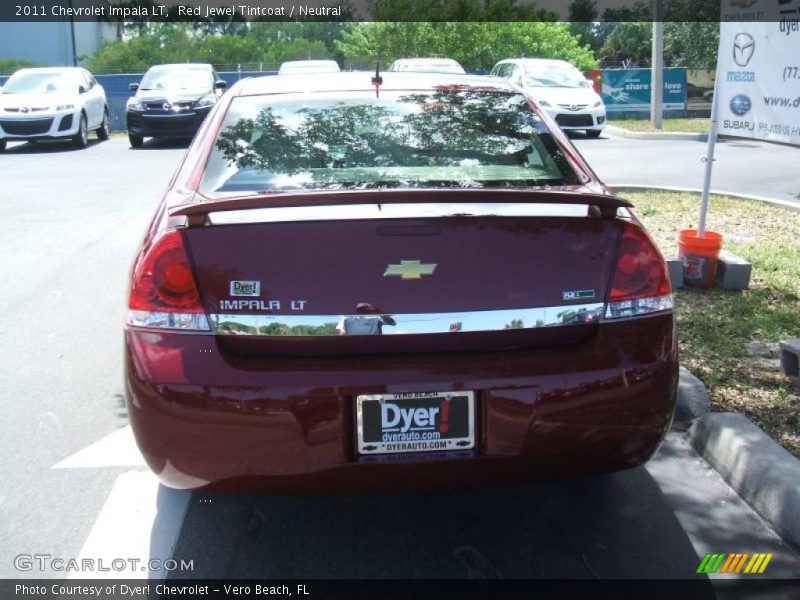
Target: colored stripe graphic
{"x":733,"y":563}
{"x":711,"y":563}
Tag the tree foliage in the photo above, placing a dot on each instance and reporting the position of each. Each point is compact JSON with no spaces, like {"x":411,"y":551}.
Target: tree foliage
{"x":9,"y":65}
{"x":624,"y":34}
{"x":458,"y":10}
{"x":690,"y":44}
{"x":474,"y":45}
{"x":181,"y":42}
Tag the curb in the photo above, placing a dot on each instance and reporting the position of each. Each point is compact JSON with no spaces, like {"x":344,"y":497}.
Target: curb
{"x":765,"y":475}
{"x":692,"y":397}
{"x":656,"y":135}
{"x":621,"y":187}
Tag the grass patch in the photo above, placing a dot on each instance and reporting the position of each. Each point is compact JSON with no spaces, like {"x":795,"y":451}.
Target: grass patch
{"x":690,"y":125}
{"x":715,"y":325}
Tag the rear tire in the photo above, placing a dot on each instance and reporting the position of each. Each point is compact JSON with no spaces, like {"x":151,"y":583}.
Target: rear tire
{"x":593,"y":133}
{"x":102,"y":133}
{"x":81,"y":139}
{"x":137,"y":141}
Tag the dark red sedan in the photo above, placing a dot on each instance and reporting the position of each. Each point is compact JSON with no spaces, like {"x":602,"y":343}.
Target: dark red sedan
{"x":410,"y":281}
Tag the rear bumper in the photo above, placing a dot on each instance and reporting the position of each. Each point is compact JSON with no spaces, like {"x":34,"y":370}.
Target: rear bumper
{"x":205,"y":419}
{"x":166,"y":123}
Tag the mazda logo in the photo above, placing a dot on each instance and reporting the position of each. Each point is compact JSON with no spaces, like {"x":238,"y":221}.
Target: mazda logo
{"x":743,"y":47}
{"x":573,"y":107}
{"x":740,"y":105}
{"x":166,"y":106}
{"x":24,"y":109}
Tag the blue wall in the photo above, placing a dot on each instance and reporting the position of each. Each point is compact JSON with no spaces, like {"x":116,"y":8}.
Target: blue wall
{"x":117,"y":92}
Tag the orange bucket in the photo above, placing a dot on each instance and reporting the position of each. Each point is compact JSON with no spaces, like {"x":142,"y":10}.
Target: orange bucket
{"x":699,"y":256}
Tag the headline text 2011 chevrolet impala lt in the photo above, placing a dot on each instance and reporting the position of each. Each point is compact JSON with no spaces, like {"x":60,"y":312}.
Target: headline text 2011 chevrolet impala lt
{"x":407,"y":281}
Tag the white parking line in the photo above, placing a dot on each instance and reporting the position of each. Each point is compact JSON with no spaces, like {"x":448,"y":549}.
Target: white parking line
{"x":117,"y":449}
{"x":140,"y":522}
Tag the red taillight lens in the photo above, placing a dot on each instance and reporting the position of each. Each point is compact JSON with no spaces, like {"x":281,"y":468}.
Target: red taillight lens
{"x":641,"y":272}
{"x":641,"y":282}
{"x":163,"y":280}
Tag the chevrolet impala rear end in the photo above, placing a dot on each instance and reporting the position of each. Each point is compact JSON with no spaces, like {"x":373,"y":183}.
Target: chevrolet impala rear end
{"x":401,"y":282}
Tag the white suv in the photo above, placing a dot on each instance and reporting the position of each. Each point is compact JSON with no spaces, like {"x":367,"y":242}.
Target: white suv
{"x":560,"y":89}
{"x":52,"y":103}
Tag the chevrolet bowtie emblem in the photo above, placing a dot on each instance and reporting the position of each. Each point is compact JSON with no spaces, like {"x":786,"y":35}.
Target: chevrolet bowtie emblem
{"x":410,"y":269}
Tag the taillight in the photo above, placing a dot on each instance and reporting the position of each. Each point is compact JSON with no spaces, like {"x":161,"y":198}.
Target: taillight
{"x":163,"y":292}
{"x":641,"y":283}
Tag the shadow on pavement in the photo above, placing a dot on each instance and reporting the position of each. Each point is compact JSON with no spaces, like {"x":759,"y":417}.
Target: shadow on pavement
{"x":599,"y":527}
{"x":48,"y":146}
{"x":164,"y":144}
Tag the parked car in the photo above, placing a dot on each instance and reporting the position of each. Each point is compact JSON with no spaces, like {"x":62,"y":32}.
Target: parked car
{"x":428,"y":65}
{"x":172,"y":101}
{"x":560,"y":89}
{"x":296,"y":67}
{"x":416,"y":286}
{"x":52,"y":104}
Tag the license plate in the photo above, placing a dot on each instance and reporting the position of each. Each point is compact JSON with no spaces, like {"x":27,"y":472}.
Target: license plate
{"x":415,"y":422}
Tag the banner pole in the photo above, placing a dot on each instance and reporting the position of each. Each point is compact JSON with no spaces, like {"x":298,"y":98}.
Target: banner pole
{"x":709,"y":158}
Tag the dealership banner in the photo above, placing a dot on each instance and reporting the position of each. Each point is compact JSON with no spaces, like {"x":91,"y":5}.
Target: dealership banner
{"x":628,"y":90}
{"x":758,"y":77}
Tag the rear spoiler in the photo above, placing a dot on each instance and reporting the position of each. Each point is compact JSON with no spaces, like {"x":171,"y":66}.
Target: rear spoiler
{"x":197,"y":212}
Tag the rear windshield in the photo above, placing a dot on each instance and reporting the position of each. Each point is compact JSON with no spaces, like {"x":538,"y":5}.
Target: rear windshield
{"x":458,"y":139}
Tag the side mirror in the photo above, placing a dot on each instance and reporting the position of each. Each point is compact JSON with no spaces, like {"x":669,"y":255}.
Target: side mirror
{"x":81,"y":89}
{"x":133,"y":87}
{"x":220,"y":84}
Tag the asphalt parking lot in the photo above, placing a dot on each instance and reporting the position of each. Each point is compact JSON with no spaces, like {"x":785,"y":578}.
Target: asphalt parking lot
{"x":76,"y":487}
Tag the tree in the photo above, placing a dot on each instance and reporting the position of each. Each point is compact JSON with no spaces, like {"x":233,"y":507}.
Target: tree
{"x":9,"y":65}
{"x":474,"y":45}
{"x":629,"y":41}
{"x":691,"y":33}
{"x":457,"y":10}
{"x":692,"y":44}
{"x":582,"y":18}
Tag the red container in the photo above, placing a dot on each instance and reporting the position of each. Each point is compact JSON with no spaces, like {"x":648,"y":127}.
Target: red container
{"x":699,"y":256}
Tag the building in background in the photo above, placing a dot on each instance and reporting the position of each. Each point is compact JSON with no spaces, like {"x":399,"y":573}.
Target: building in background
{"x":50,"y":43}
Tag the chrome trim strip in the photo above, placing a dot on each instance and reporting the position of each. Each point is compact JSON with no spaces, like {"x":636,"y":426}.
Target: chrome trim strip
{"x":394,"y":211}
{"x":409,"y":323}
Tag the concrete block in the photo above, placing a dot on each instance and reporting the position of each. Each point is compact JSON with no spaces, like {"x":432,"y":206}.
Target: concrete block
{"x":733,"y":272}
{"x":675,"y":266}
{"x":692,"y":397}
{"x":790,"y":357}
{"x":765,"y":475}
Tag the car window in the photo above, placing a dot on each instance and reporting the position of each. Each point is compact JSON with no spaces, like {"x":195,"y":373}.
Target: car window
{"x":508,"y":70}
{"x":41,"y":82}
{"x":176,"y":78}
{"x":447,"y":138}
{"x":554,"y":75}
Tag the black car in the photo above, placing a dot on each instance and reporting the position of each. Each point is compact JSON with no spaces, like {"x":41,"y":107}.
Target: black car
{"x":172,"y":101}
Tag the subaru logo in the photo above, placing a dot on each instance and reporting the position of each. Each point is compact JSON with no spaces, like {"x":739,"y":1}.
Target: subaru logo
{"x":740,"y":105}
{"x":166,"y":106}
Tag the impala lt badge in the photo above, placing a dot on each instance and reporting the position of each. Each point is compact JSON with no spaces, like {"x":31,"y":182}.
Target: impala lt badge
{"x":410,"y":269}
